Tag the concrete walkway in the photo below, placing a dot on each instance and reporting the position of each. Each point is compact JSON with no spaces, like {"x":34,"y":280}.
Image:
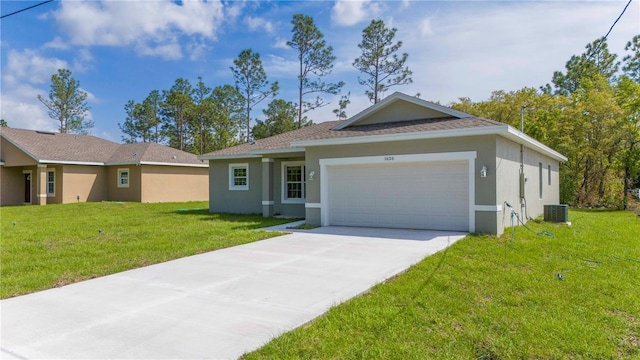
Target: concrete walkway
{"x":217,"y":305}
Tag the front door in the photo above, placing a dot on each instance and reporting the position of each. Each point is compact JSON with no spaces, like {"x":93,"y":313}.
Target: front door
{"x":27,"y":188}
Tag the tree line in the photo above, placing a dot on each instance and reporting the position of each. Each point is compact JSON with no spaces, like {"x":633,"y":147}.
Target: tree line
{"x":590,"y":112}
{"x":198,"y":118}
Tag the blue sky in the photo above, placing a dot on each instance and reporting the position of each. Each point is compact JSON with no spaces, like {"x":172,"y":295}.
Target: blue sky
{"x":122,"y":50}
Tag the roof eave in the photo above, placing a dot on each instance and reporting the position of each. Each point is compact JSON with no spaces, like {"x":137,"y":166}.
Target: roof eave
{"x":71,"y":162}
{"x":277,"y":151}
{"x":224,"y":157}
{"x":502,"y":130}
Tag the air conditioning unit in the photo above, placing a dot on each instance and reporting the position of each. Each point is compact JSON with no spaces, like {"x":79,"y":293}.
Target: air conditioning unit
{"x":556,"y":213}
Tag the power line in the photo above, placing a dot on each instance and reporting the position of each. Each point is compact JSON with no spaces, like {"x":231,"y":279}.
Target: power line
{"x":608,"y":32}
{"x":27,"y":8}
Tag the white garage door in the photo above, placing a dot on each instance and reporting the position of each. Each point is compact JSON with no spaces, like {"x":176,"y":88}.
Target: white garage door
{"x":421,"y":195}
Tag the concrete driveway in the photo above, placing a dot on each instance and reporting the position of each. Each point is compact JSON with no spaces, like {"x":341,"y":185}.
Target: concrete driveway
{"x":217,"y":305}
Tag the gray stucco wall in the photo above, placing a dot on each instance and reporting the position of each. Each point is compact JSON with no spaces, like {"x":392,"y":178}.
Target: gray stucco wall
{"x":508,"y":170}
{"x":223,"y":200}
{"x":485,"y":190}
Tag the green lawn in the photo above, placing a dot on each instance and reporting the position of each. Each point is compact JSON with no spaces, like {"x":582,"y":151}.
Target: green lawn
{"x":48,"y":246}
{"x":572,"y":296}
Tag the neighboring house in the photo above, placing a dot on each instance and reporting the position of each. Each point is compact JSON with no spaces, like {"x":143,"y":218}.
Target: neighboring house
{"x":41,"y":167}
{"x":401,"y":163}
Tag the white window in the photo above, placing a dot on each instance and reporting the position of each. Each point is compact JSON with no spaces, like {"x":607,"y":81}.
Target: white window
{"x":123,"y":178}
{"x":540,"y":178}
{"x":549,"y":175}
{"x":51,"y":182}
{"x":293,"y":182}
{"x":239,"y":176}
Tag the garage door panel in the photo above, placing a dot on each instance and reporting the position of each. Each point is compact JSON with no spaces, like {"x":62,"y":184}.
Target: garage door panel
{"x":425,"y":195}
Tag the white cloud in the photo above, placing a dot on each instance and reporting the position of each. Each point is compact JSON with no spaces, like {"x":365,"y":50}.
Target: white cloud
{"x":26,"y":75}
{"x":29,"y":66}
{"x":57,"y":43}
{"x":258,"y":23}
{"x":151,"y":26}
{"x":351,"y":12}
{"x":280,"y":43}
{"x":425,"y":28}
{"x":21,"y":108}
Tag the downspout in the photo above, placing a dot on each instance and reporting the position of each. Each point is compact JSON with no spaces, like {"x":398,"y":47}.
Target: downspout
{"x":522,"y":178}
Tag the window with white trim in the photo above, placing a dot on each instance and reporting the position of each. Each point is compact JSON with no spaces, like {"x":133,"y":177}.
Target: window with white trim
{"x":123,"y":178}
{"x":548,"y":174}
{"x":51,"y":182}
{"x":293,"y":182}
{"x":239,"y":176}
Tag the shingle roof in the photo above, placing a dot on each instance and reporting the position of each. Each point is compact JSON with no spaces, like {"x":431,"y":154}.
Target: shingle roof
{"x":276,"y":142}
{"x":325,"y":130}
{"x":57,"y":147}
{"x":151,"y":153}
{"x":49,"y":146}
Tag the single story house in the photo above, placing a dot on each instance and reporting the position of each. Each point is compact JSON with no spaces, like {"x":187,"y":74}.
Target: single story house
{"x":41,"y":167}
{"x":401,"y":163}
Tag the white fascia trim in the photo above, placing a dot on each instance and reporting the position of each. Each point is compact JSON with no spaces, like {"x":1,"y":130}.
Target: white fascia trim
{"x":313,"y":205}
{"x":267,"y":202}
{"x":173,"y":164}
{"x":490,"y":130}
{"x":276,"y":151}
{"x":489,"y":208}
{"x":521,"y":138}
{"x":401,"y":96}
{"x":63,"y":162}
{"x":469,"y":156}
{"x":225,"y":157}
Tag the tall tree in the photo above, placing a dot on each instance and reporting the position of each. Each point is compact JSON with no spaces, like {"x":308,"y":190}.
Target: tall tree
{"x":175,"y":106}
{"x":133,"y":126}
{"x":341,"y":111}
{"x":595,"y":60}
{"x":315,"y":58}
{"x":228,"y":117}
{"x":628,"y":98}
{"x":201,"y":116}
{"x":631,"y":62}
{"x":380,"y":61}
{"x":67,"y":103}
{"x":251,"y":81}
{"x":280,"y":117}
{"x":151,"y":107}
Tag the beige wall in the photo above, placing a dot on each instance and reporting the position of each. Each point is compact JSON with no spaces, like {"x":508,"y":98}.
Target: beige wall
{"x":12,"y":156}
{"x":174,"y":183}
{"x":89,"y":182}
{"x":131,"y":193}
{"x":12,"y":184}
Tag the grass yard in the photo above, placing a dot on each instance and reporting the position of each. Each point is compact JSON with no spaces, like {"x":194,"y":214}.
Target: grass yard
{"x":573,"y":296}
{"x":54,"y":245}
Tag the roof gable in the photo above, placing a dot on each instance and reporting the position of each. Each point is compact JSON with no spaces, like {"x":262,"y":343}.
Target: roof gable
{"x":401,"y":107}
